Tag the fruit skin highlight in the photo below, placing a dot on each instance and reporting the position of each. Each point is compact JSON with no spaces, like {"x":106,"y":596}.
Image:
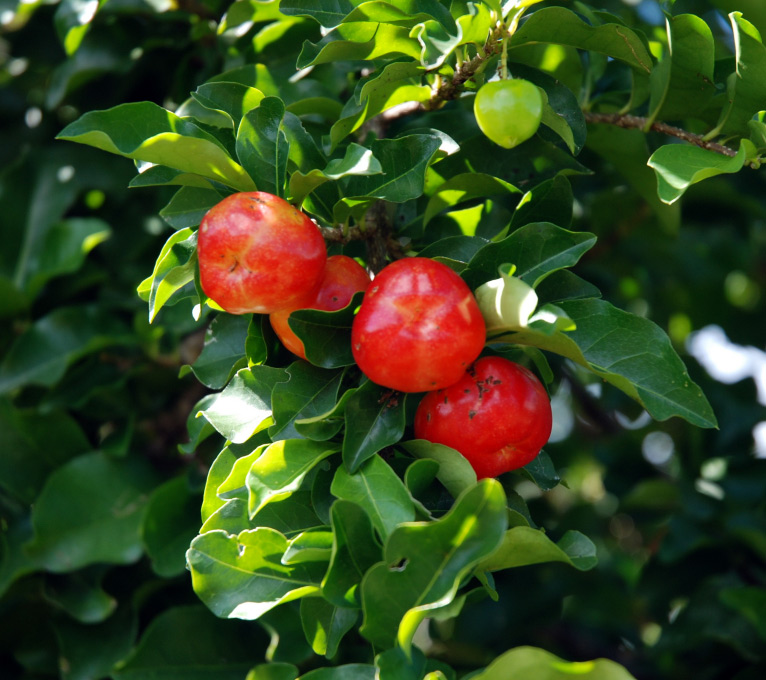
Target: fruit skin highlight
{"x":342,"y":277}
{"x":418,"y":327}
{"x":259,"y":254}
{"x":497,"y":415}
{"x":508,"y":111}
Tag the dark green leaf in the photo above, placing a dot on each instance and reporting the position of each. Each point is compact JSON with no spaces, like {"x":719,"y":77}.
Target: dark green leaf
{"x":189,"y":205}
{"x":262,"y":146}
{"x":325,"y":624}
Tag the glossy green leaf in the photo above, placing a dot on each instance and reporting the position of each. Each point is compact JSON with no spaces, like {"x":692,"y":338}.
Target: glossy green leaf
{"x":355,"y":549}
{"x":242,"y":577}
{"x":232,"y":99}
{"x":169,"y":526}
{"x":455,"y":472}
{"x":249,"y":11}
{"x":217,"y":474}
{"x":524,"y":545}
{"x":377,"y":489}
{"x":326,"y":336}
{"x":630,"y":352}
{"x":273,"y":671}
{"x":550,"y":201}
{"x":401,"y":12}
{"x":404,"y":161}
{"x":224,"y":350}
{"x":91,"y":510}
{"x":679,"y":166}
{"x":684,"y":81}
{"x":262,"y":147}
{"x":359,"y":40}
{"x":356,"y":161}
{"x":160,"y":175}
{"x":537,"y":250}
{"x":189,"y":205}
{"x":542,"y":472}
{"x":325,"y":624}
{"x":746,"y":87}
{"x":41,"y":354}
{"x":147,"y":132}
{"x":244,"y":406}
{"x":312,"y":545}
{"x":431,"y":558}
{"x":185,"y":642}
{"x":375,"y":418}
{"x":465,"y":187}
{"x":281,"y":468}
{"x":563,"y":26}
{"x":309,"y":392}
{"x":394,"y":84}
{"x":329,"y":13}
{"x":351,"y":671}
{"x":174,"y":269}
{"x":542,"y":665}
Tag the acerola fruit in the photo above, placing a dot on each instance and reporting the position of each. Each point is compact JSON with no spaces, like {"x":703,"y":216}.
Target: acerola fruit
{"x":342,"y":278}
{"x":508,"y":111}
{"x":259,"y":254}
{"x":418,"y":328}
{"x":497,"y":415}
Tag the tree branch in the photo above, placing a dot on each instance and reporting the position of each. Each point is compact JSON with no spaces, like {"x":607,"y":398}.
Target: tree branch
{"x":640,"y":123}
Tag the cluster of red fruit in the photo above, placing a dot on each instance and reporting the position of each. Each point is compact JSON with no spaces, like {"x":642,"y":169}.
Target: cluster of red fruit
{"x":419,"y":328}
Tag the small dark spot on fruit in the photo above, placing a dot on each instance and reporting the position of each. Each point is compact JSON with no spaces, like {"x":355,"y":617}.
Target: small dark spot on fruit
{"x":471,"y":414}
{"x":467,"y":390}
{"x":334,"y":298}
{"x":446,"y":401}
{"x":428,"y":417}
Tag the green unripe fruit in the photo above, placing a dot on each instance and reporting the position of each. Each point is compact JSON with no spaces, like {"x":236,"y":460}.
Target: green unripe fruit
{"x":508,"y":111}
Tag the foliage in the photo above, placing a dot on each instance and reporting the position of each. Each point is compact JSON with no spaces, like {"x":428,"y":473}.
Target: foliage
{"x":332,"y":544}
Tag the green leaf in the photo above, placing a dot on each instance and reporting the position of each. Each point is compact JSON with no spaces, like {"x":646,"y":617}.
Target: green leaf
{"x":309,"y":392}
{"x":465,"y":187}
{"x":232,"y":99}
{"x":542,"y":472}
{"x":684,"y":81}
{"x":375,"y":418}
{"x":73,"y":19}
{"x":42,"y":353}
{"x":273,"y":671}
{"x":224,"y":350}
{"x":377,"y":489}
{"x":750,"y":602}
{"x":524,"y":545}
{"x":188,"y":642}
{"x":64,"y":249}
{"x":354,"y":551}
{"x":217,"y":475}
{"x":326,"y":336}
{"x":91,"y":510}
{"x":350,"y":671}
{"x":678,"y":167}
{"x":169,"y":526}
{"x":175,"y":267}
{"x":244,"y":406}
{"x":550,"y":201}
{"x":81,"y":595}
{"x":395,"y":84}
{"x":357,"y":161}
{"x":564,"y":27}
{"x":160,"y":175}
{"x":359,"y":41}
{"x":312,"y":545}
{"x":329,"y":13}
{"x":404,"y":161}
{"x":325,"y":624}
{"x":631,"y":353}
{"x":262,"y":146}
{"x":537,"y":250}
{"x":537,"y":663}
{"x":189,"y":205}
{"x":147,"y":132}
{"x":281,"y":468}
{"x":242,"y":577}
{"x":455,"y":472}
{"x":746,"y":87}
{"x":401,"y":12}
{"x":425,"y":562}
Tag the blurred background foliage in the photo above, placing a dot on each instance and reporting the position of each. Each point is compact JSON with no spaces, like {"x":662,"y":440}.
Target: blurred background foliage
{"x":98,"y":504}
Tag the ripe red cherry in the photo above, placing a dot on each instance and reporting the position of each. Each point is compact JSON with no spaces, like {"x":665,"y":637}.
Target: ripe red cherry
{"x":497,"y":415}
{"x":342,"y":278}
{"x":259,"y":254}
{"x":418,"y":328}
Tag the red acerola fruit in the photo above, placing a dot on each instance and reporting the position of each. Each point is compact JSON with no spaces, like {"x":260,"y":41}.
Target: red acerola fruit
{"x":497,"y":415}
{"x":259,"y":254}
{"x":342,"y":278}
{"x":419,"y":327}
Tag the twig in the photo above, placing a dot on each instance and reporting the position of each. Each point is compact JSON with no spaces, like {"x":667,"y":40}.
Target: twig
{"x":640,"y":123}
